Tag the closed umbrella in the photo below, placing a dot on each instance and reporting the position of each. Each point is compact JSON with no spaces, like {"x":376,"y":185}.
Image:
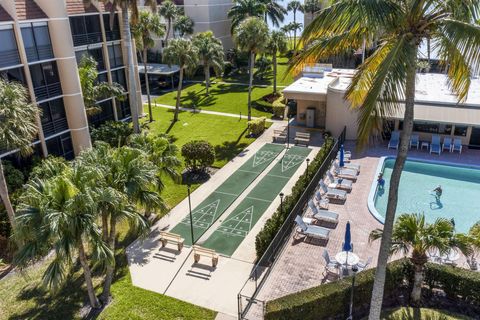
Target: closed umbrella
{"x":347,"y":244}
{"x":342,"y":156}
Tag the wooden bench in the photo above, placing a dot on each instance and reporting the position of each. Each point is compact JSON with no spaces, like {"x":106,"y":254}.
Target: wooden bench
{"x":279,"y":134}
{"x":168,"y":237}
{"x":200,"y":251}
{"x":302,"y":138}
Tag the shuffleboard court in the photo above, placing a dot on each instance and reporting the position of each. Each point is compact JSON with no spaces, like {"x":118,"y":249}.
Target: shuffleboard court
{"x":210,"y":209}
{"x":231,"y":232}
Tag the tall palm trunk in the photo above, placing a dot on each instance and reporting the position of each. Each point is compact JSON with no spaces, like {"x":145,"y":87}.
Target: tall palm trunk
{"x":132,"y":84}
{"x":110,"y":267}
{"x":179,"y":94}
{"x":295,"y":30}
{"x":250,"y":83}
{"x":88,"y":275}
{"x":428,"y":50}
{"x":274,"y":58}
{"x":147,"y":85}
{"x":169,"y":27}
{"x":5,"y":197}
{"x":380,"y":273}
{"x":206,"y":67}
{"x":417,"y":285}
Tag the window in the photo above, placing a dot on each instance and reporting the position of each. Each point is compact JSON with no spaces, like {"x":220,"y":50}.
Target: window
{"x":54,"y":119}
{"x":102,"y":77}
{"x":15,"y":74}
{"x":61,"y":146}
{"x":85,"y":30}
{"x":105,"y":115}
{"x":36,"y":40}
{"x":115,"y":55}
{"x":46,"y":82}
{"x":95,"y":53}
{"x":460,"y":130}
{"x":112,"y":29}
{"x":425,"y":127}
{"x":8,"y":50}
{"x":118,"y":76}
{"x":123,"y":109}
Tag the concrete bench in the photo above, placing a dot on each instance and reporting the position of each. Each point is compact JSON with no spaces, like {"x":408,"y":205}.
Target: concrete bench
{"x":168,"y":237}
{"x":279,"y":134}
{"x":302,"y":138}
{"x":209,"y":253}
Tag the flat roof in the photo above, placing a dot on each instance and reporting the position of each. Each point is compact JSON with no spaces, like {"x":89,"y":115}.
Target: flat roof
{"x":159,"y":69}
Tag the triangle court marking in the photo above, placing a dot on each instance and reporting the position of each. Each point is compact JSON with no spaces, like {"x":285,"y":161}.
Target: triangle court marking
{"x":203,"y":217}
{"x":291,"y":160}
{"x":238,"y":225}
{"x":262,"y":157}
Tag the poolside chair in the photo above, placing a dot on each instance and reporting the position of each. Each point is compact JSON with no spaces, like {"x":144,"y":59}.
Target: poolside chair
{"x":394,"y":140}
{"x":435,"y":145}
{"x":363,"y":265}
{"x":347,"y":156}
{"x":447,"y":144}
{"x":415,"y":141}
{"x":457,"y":145}
{"x":337,"y":183}
{"x":333,"y":193}
{"x":321,"y":201}
{"x":322,"y":215}
{"x":344,"y":172}
{"x":351,"y":166}
{"x":329,"y":262}
{"x":311,"y":231}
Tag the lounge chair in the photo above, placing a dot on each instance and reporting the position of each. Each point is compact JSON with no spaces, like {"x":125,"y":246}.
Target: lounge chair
{"x":351,"y":166}
{"x":347,"y":156}
{"x":414,"y":141}
{"x":322,"y":215}
{"x":339,"y":183}
{"x":457,"y":145}
{"x":344,"y":172}
{"x":394,"y":140}
{"x":363,"y":265}
{"x":311,"y":231}
{"x":321,"y":201}
{"x":435,"y":145}
{"x":333,"y":193}
{"x":447,"y":144}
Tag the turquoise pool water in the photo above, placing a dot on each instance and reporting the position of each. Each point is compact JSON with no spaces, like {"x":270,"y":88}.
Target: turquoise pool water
{"x":461,"y":192}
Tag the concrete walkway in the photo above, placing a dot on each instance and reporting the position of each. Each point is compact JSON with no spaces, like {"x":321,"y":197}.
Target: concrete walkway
{"x":175,"y":274}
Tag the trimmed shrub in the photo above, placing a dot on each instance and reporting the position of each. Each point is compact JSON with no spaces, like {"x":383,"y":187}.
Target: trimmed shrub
{"x":332,"y":300}
{"x":115,"y":133}
{"x":273,"y":224}
{"x":198,"y":155}
{"x":278,"y":107}
{"x":257,"y":126}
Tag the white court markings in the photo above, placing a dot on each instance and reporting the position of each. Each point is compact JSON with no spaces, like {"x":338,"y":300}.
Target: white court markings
{"x":290,"y":161}
{"x":203,"y":217}
{"x":262,"y":157}
{"x":238,"y":225}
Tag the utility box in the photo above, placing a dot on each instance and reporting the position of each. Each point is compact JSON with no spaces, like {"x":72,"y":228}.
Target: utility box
{"x":310,"y":121}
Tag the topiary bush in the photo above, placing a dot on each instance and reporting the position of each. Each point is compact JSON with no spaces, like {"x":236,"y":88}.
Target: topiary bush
{"x":278,"y":107}
{"x":257,"y":126}
{"x":115,"y":133}
{"x":198,"y":155}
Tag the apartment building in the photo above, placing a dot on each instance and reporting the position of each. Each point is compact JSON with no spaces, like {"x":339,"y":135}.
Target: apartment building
{"x":42,"y":42}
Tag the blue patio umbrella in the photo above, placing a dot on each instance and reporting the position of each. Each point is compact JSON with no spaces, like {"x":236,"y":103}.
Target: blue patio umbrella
{"x":347,"y":244}
{"x":342,"y":156}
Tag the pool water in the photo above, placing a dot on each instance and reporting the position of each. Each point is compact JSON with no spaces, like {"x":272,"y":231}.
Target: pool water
{"x":460,"y":199}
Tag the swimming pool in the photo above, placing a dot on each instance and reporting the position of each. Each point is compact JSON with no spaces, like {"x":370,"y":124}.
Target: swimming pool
{"x":460,"y":199}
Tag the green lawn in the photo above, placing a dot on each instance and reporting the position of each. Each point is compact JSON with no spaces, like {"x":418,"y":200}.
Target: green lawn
{"x":420,"y":314}
{"x":23,"y":297}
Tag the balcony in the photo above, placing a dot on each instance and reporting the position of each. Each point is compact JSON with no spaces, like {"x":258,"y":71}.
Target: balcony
{"x":39,"y":53}
{"x":87,"y":38}
{"x":55,"y":126}
{"x":9,"y":58}
{"x":112,"y":35}
{"x":48,"y":91}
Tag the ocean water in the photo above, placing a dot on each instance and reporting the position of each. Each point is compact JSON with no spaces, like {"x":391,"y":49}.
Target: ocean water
{"x":460,"y":199}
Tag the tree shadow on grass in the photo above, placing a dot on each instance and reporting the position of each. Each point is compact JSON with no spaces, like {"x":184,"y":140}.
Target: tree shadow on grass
{"x":197,"y":99}
{"x":230,"y":149}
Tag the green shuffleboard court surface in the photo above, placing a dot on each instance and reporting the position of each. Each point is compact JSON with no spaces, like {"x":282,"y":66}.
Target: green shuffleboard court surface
{"x":231,"y":232}
{"x":210,"y":209}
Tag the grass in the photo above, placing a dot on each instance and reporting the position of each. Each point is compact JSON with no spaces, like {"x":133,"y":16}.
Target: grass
{"x":420,"y":314}
{"x":23,"y":296}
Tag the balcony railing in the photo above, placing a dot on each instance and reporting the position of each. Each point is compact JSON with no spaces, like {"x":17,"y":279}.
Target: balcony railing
{"x":39,"y":53}
{"x":48,"y":91}
{"x":55,"y":126}
{"x":87,"y":38}
{"x":112,"y":35}
{"x":9,"y":58}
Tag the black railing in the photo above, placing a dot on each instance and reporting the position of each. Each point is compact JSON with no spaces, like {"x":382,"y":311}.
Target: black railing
{"x":55,"y":126}
{"x":87,"y":38}
{"x":9,"y":58}
{"x":112,"y":35}
{"x":264,"y":265}
{"x":48,"y":91}
{"x":39,"y":53}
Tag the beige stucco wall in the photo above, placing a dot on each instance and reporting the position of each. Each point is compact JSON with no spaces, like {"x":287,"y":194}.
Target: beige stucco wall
{"x":340,"y":115}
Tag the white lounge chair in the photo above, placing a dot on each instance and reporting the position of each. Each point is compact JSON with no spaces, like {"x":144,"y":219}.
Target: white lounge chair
{"x":322,"y":215}
{"x":321,"y":201}
{"x":447,"y":144}
{"x":351,"y":166}
{"x":311,"y":231}
{"x":344,"y":172}
{"x":414,"y":141}
{"x":457,"y":145}
{"x":339,"y":183}
{"x":333,"y":193}
{"x":435,"y":145}
{"x":394,"y":140}
{"x":347,"y":156}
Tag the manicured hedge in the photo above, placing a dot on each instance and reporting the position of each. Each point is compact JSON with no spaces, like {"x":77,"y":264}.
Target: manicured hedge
{"x":272,"y":226}
{"x":457,"y":283}
{"x":257,"y":126}
{"x":332,"y":300}
{"x":278,"y":107}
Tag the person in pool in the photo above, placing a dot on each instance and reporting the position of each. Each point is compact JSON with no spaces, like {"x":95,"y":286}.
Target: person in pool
{"x":438,"y":192}
{"x":380,"y":180}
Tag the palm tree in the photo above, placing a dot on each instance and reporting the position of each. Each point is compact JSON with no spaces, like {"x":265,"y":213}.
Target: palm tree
{"x":275,"y":11}
{"x":243,"y":9}
{"x":183,"y":53}
{"x":169,"y":11}
{"x":412,"y":234}
{"x":312,"y":6}
{"x":278,"y":44}
{"x":58,"y":215}
{"x":386,"y":80}
{"x":129,"y":10}
{"x":92,"y":90}
{"x":295,"y":6}
{"x":148,"y":24}
{"x":210,"y":50}
{"x":18,"y":128}
{"x":251,"y":36}
{"x":184,"y":26}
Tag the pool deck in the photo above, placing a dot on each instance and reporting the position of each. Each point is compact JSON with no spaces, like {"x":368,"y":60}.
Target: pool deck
{"x":300,"y":265}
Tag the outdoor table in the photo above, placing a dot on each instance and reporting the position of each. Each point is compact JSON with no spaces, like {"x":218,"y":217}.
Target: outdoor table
{"x":424,"y":144}
{"x":347,"y":258}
